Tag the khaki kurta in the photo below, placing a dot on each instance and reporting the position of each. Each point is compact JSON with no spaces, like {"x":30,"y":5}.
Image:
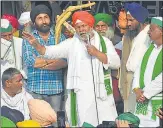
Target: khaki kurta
{"x":132,"y":53}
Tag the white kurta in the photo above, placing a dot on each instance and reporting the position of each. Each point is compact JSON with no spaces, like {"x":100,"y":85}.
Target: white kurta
{"x":152,"y":87}
{"x":18,"y":102}
{"x":86,"y":106}
{"x":139,"y":45}
{"x":9,"y":61}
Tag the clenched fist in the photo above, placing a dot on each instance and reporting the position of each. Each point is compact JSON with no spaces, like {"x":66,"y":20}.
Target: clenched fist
{"x":92,"y":50}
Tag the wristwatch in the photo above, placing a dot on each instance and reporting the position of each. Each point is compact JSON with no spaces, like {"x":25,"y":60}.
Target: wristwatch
{"x":136,"y":88}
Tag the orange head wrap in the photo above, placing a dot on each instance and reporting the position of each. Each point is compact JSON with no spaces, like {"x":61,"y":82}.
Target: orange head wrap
{"x":83,"y":16}
{"x":12,"y":19}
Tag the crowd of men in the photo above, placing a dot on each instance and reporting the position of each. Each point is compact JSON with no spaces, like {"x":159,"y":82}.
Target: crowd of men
{"x":98,"y":77}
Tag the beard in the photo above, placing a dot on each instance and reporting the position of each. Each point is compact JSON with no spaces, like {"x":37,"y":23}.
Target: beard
{"x":109,"y":33}
{"x":133,"y":33}
{"x":85,"y":35}
{"x":103,"y":34}
{"x":44,"y":28}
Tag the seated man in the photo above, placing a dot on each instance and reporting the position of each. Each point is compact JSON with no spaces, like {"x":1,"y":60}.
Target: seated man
{"x":13,"y":95}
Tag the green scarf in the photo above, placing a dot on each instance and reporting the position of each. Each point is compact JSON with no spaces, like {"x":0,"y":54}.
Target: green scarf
{"x":107,"y":86}
{"x":106,"y":72}
{"x":156,"y":101}
{"x":73,"y":108}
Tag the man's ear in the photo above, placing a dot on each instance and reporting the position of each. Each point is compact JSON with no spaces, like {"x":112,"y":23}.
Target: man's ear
{"x":8,"y":83}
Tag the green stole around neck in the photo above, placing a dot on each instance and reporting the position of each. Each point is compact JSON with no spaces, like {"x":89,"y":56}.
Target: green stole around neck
{"x":156,"y":100}
{"x":107,"y":87}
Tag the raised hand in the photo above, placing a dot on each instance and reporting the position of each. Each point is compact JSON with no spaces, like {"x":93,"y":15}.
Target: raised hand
{"x":31,"y":39}
{"x":34,"y":42}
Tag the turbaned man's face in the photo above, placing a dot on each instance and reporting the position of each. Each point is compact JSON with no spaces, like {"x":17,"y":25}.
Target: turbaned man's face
{"x":7,"y":36}
{"x":83,"y":29}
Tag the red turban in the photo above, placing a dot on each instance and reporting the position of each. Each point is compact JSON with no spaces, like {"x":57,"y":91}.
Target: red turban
{"x":83,"y":16}
{"x":12,"y":19}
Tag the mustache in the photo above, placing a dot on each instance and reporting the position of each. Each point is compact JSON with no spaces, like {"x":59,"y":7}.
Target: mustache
{"x":83,"y":33}
{"x":45,"y":25}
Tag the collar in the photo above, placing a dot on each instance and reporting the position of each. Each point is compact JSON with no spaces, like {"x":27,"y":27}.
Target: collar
{"x":156,"y":47}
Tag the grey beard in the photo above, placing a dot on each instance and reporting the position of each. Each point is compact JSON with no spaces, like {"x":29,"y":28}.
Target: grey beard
{"x":85,"y":36}
{"x":103,"y":34}
{"x":109,"y":33}
{"x":133,"y":33}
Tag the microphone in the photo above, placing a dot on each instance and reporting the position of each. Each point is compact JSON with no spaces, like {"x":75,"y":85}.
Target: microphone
{"x":91,"y":59}
{"x":61,"y":119}
{"x":88,"y":39}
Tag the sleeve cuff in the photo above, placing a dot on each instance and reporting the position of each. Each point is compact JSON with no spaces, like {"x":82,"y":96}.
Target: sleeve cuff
{"x":146,"y":95}
{"x":106,"y":66}
{"x":46,"y":52}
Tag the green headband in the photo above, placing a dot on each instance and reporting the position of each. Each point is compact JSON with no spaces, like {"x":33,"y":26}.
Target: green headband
{"x":156,"y":21}
{"x":106,"y":18}
{"x":8,"y":29}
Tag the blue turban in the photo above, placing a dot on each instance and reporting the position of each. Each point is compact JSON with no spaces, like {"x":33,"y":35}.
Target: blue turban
{"x":137,"y":11}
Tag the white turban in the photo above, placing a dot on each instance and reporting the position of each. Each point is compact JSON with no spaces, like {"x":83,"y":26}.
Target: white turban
{"x":24,"y":18}
{"x":5,"y":26}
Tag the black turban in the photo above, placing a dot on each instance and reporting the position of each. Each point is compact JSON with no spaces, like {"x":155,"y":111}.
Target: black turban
{"x":38,"y":10}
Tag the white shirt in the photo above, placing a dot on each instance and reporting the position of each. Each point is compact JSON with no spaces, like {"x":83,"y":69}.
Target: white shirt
{"x":9,"y":60}
{"x":85,"y":92}
{"x":152,"y":87}
{"x":18,"y":102}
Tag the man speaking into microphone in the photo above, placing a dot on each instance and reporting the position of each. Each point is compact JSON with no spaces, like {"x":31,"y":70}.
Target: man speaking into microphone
{"x":90,"y":58}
